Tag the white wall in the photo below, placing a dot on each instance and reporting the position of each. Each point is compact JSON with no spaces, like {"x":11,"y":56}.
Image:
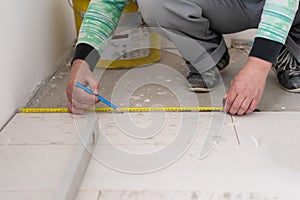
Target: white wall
{"x":35,"y":36}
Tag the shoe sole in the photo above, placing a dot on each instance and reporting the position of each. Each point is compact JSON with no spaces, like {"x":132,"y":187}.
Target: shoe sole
{"x":291,"y":90}
{"x":201,"y":89}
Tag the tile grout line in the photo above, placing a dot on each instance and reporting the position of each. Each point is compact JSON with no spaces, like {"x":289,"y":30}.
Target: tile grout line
{"x":235,"y":131}
{"x":99,"y":195}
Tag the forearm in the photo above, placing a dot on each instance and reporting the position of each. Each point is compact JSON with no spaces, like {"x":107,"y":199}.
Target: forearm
{"x":99,"y":23}
{"x":276,"y":21}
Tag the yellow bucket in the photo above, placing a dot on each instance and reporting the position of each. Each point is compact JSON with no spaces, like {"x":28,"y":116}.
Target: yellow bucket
{"x":80,"y":7}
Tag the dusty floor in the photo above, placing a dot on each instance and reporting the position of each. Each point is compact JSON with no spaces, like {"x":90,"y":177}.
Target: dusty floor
{"x":153,"y":91}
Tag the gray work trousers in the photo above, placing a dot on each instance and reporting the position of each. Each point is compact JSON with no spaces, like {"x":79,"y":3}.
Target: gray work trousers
{"x":196,"y":26}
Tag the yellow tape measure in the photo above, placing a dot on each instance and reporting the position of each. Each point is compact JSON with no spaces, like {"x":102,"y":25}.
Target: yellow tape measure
{"x":150,"y":109}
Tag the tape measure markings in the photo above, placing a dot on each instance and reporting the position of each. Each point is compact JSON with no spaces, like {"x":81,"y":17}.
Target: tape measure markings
{"x":132,"y":109}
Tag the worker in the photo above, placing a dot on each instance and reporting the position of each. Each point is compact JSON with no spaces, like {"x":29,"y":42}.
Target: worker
{"x":276,"y":44}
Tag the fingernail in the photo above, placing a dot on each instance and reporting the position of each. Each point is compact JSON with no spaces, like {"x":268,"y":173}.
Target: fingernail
{"x":224,"y":101}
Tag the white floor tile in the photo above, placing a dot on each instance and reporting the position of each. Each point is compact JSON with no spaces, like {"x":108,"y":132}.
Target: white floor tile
{"x":25,"y":195}
{"x":33,"y":167}
{"x":187,"y":195}
{"x":161,"y":128}
{"x":275,"y":134}
{"x":230,"y":167}
{"x":88,"y":195}
{"x":226,"y":169}
{"x":266,"y":161}
{"x":40,"y":128}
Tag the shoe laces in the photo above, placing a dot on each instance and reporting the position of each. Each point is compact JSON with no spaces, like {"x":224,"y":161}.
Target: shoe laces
{"x":286,"y":61}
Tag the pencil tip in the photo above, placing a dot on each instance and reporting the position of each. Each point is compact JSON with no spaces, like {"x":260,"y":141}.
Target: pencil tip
{"x":119,"y":110}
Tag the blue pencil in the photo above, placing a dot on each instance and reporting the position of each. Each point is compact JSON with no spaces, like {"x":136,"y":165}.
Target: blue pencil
{"x":97,"y":95}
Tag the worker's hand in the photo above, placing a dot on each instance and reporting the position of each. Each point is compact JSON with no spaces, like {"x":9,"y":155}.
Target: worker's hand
{"x":78,"y":98}
{"x":247,"y":87}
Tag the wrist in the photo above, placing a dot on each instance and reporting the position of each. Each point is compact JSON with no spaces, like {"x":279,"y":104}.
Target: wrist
{"x":79,"y":67}
{"x":79,"y":63}
{"x":88,"y":53}
{"x":259,"y":63}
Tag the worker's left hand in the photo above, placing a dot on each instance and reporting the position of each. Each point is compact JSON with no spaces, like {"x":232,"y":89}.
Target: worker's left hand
{"x":247,"y":87}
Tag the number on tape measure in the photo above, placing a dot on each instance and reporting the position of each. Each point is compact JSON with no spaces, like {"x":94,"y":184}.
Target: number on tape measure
{"x":154,"y":109}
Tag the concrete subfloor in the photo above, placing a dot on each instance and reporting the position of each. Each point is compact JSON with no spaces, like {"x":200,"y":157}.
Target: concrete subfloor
{"x":254,"y":157}
{"x":154,"y":87}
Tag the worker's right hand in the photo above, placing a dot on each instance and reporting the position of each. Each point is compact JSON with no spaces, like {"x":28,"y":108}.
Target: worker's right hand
{"x":78,"y":98}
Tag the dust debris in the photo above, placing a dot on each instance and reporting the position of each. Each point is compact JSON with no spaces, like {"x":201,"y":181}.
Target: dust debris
{"x":161,"y":93}
{"x":255,"y":141}
{"x":138,"y":105}
{"x":135,"y":98}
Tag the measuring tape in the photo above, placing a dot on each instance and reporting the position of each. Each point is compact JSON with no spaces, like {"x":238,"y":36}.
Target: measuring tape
{"x":150,"y":109}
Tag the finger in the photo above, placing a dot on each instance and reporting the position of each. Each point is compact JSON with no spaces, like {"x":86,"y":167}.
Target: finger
{"x":252,"y":106}
{"x":244,"y":106}
{"x":94,"y":85}
{"x":74,"y":110}
{"x":229,"y":101}
{"x":83,"y":97}
{"x":69,"y":92}
{"x":235,"y":106}
{"x":80,"y":105}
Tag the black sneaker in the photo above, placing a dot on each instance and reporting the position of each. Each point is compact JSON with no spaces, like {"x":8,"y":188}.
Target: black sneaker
{"x":224,"y":61}
{"x":204,"y":82}
{"x":208,"y":80}
{"x":287,"y":69}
